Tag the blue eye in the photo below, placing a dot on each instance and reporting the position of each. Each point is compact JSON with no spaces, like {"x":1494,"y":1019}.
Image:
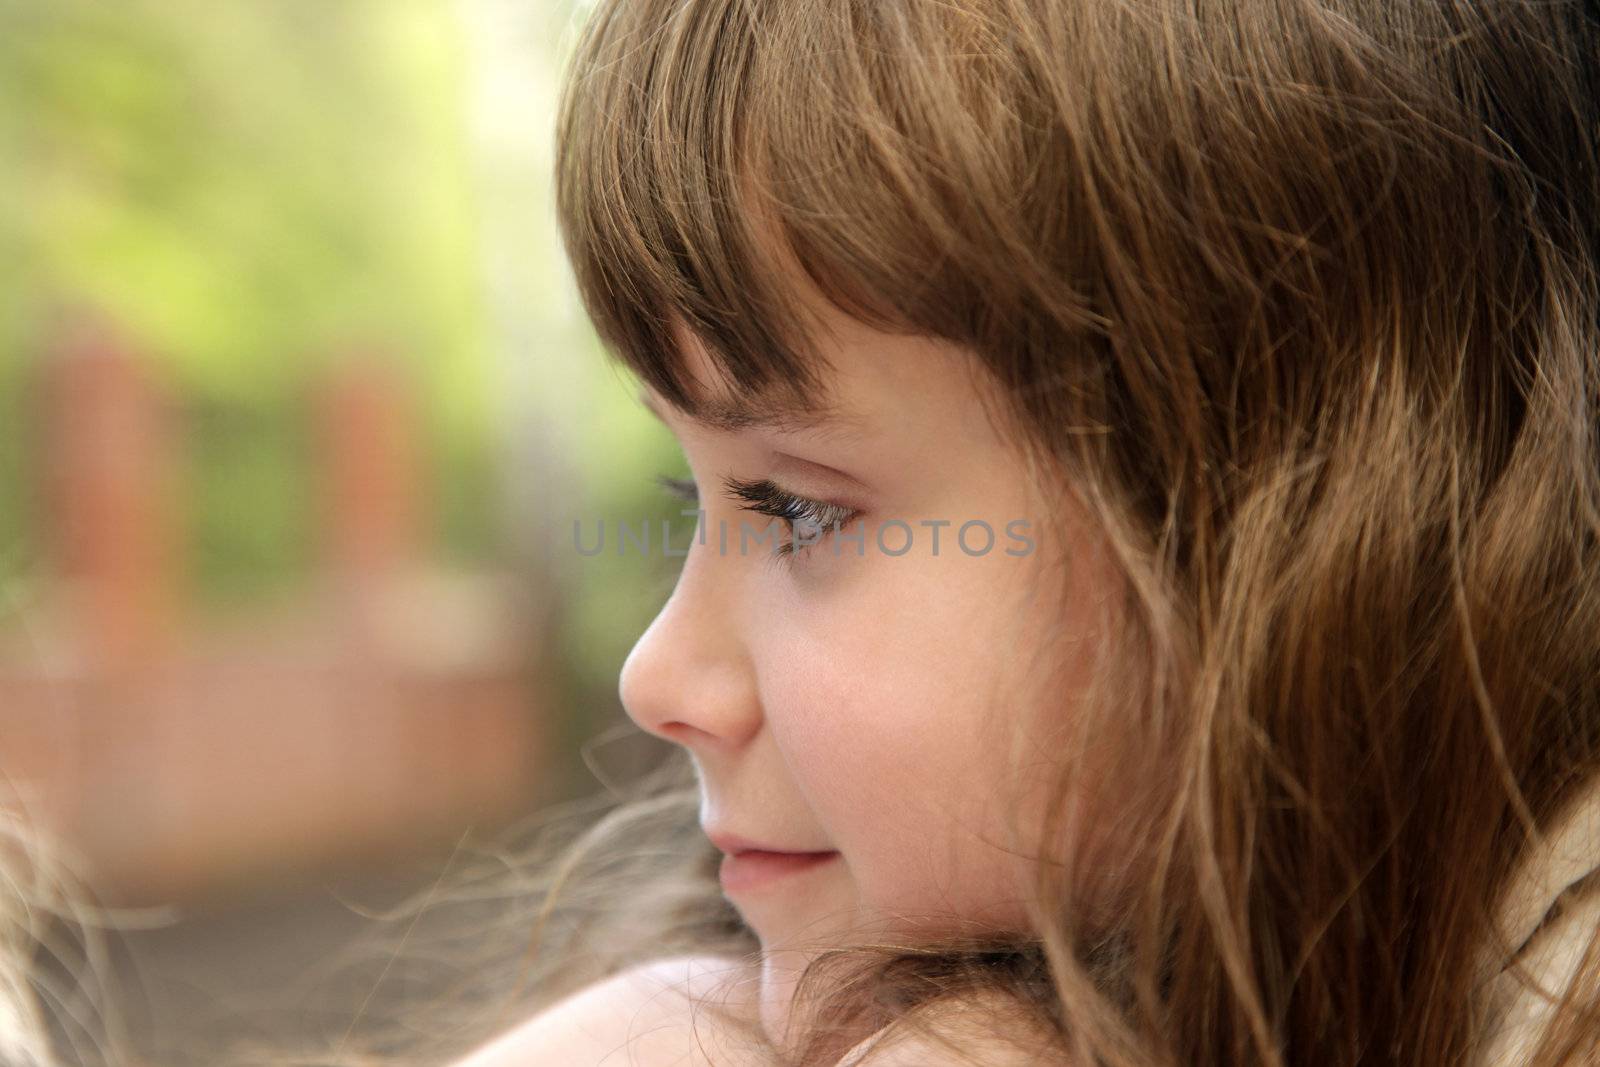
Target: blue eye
{"x":812,"y":519}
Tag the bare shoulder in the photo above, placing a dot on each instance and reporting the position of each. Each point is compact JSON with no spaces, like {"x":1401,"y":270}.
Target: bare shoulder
{"x":641,"y":1017}
{"x":987,"y":1030}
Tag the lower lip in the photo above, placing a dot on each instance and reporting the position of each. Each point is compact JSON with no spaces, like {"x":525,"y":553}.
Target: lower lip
{"x":743,"y":871}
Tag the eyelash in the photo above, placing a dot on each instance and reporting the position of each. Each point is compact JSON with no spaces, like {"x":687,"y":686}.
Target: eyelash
{"x":766,"y":497}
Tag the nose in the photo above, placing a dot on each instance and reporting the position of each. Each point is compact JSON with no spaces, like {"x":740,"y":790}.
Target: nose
{"x":689,"y":678}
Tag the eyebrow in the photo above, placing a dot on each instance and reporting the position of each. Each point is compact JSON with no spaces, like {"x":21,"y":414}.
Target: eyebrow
{"x":734,"y":417}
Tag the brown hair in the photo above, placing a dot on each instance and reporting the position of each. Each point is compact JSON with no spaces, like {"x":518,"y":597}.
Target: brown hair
{"x":1302,"y":298}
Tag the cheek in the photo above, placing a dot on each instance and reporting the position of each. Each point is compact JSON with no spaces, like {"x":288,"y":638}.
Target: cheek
{"x":892,"y":714}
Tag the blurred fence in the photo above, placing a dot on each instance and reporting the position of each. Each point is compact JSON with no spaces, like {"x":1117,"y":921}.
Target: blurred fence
{"x":382,"y":707}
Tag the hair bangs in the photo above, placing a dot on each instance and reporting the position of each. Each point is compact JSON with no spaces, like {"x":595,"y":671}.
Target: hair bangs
{"x":653,"y":212}
{"x":728,"y":164}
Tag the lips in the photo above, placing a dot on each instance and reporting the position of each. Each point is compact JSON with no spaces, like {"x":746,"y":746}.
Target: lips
{"x":748,"y":865}
{"x":755,"y":869}
{"x":734,"y":844}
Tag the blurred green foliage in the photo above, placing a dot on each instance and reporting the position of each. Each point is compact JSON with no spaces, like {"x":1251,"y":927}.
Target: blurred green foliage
{"x":246,"y":189}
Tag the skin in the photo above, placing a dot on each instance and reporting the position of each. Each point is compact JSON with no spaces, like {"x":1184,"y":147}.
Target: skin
{"x":870,"y":704}
{"x":647,"y":1017}
{"x":865,"y":702}
{"x":641,"y":1017}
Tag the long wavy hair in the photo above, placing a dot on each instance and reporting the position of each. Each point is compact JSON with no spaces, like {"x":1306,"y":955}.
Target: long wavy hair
{"x":55,"y":964}
{"x":1301,"y":299}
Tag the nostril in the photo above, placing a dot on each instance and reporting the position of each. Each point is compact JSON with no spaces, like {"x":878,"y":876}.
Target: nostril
{"x":684,"y":734}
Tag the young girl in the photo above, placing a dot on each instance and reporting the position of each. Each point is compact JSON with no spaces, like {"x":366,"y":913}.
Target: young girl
{"x":1145,"y":607}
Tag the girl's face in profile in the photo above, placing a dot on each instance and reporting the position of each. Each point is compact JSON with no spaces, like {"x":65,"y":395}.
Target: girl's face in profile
{"x":861,"y":695}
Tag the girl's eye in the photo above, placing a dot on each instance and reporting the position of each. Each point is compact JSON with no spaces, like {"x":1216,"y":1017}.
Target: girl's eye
{"x":682,"y":488}
{"x":806,"y":519}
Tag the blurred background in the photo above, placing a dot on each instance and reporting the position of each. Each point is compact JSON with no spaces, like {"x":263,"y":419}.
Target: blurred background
{"x":300,"y":411}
